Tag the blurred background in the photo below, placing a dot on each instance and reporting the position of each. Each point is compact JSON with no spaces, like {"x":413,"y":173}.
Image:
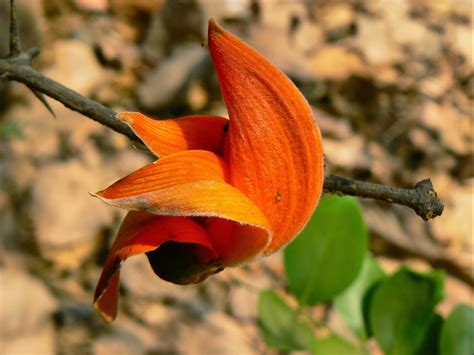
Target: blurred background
{"x":391,"y":85}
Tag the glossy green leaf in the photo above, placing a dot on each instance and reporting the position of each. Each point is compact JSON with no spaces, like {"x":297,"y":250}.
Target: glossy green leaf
{"x":333,"y":345}
{"x":402,"y":310}
{"x":281,"y":325}
{"x":457,"y":334}
{"x":349,"y":304}
{"x":329,"y":253}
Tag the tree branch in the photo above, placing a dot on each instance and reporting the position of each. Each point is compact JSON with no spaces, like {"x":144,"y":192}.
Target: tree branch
{"x":17,"y":67}
{"x":422,"y":198}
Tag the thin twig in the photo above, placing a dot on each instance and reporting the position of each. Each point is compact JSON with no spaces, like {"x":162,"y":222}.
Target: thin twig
{"x":16,"y":52}
{"x":422,"y":198}
{"x":15,"y":43}
{"x":18,"y":69}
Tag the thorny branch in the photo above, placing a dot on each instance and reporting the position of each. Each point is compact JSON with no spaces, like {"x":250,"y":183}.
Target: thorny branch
{"x":17,"y":67}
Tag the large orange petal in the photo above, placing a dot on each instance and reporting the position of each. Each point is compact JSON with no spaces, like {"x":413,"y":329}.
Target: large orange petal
{"x":164,"y":137}
{"x":192,"y":183}
{"x":273,"y":145}
{"x":141,"y":232}
{"x":189,"y":183}
{"x":235,"y":243}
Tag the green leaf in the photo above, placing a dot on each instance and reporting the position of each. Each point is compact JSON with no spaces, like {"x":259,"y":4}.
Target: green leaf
{"x":457,"y":334}
{"x":401,"y":310}
{"x":281,"y":325}
{"x":328,"y":254}
{"x":366,"y":302}
{"x":333,"y":345}
{"x":349,"y":304}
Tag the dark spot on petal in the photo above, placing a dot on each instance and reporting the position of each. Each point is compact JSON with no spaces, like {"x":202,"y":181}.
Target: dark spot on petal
{"x":182,"y":263}
{"x":277,"y":197}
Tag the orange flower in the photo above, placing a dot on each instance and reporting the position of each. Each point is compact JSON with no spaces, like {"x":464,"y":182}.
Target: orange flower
{"x":223,"y":191}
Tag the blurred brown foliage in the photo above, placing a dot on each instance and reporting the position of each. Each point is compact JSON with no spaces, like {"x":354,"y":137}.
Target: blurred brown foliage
{"x":391,"y":83}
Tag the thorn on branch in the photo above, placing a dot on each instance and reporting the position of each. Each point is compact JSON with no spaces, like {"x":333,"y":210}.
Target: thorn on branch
{"x":43,"y":100}
{"x":32,"y":53}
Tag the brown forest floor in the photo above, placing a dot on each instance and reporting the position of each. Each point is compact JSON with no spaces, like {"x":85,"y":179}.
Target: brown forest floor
{"x":391,"y":83}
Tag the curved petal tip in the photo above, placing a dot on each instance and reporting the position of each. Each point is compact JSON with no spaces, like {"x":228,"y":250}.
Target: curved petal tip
{"x":214,"y":26}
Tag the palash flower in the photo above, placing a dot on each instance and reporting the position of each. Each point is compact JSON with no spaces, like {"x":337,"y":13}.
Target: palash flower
{"x":223,"y":191}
